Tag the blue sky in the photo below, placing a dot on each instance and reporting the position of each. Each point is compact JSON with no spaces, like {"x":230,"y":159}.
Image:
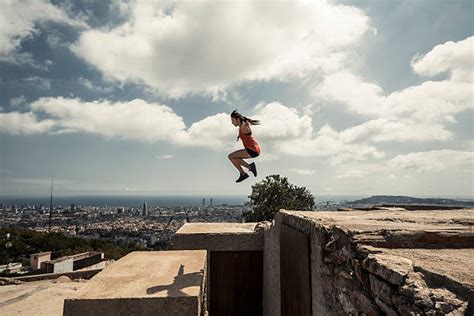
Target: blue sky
{"x":134,"y":97}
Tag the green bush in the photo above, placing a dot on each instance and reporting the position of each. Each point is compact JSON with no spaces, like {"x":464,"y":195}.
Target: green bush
{"x":275,"y":193}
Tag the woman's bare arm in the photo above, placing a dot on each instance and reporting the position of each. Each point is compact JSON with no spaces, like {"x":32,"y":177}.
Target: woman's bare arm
{"x":245,"y":127}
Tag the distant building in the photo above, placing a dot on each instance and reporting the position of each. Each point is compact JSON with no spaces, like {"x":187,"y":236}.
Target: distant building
{"x":145,"y":209}
{"x":73,"y":208}
{"x":37,"y":259}
{"x":203,"y":202}
{"x":74,"y":262}
{"x":211,"y":202}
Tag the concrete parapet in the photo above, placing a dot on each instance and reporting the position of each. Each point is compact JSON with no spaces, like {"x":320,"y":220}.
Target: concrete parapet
{"x":145,"y":283}
{"x":218,"y":237}
{"x":86,"y":274}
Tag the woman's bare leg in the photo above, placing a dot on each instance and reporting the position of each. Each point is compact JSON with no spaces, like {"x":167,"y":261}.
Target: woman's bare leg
{"x":237,"y":159}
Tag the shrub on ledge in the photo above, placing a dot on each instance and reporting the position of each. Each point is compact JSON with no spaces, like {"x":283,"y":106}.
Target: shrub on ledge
{"x":274,"y":193}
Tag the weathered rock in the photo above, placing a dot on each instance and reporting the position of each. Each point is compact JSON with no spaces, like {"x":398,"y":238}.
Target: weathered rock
{"x":381,"y":289}
{"x":339,"y":256}
{"x":346,"y":303}
{"x":393,"y":269}
{"x":438,"y":301}
{"x":343,"y":281}
{"x":385,"y":308}
{"x":364,"y":304}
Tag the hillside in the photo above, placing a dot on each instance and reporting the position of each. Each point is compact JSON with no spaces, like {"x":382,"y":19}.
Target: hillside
{"x":394,"y":199}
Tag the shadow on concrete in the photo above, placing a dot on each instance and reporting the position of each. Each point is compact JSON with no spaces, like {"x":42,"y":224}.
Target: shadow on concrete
{"x":181,"y":281}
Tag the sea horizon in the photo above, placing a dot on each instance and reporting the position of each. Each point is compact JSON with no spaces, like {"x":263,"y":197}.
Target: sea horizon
{"x":136,"y":200}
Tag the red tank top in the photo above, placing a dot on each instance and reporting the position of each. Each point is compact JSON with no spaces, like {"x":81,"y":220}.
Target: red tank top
{"x":249,"y":141}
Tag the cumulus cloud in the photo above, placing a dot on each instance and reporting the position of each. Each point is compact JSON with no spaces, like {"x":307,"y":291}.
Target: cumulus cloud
{"x":17,"y":123}
{"x":18,"y":21}
{"x":135,"y":119}
{"x":435,"y":160}
{"x":455,"y":58}
{"x":199,"y":46}
{"x":284,"y":130}
{"x":418,"y":112}
{"x":214,"y":131}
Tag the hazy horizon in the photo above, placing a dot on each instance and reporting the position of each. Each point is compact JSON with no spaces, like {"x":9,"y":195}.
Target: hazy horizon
{"x":356,"y":98}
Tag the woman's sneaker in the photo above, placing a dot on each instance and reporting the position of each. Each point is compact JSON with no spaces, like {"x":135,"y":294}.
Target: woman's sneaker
{"x":242,"y":177}
{"x":253,"y":168}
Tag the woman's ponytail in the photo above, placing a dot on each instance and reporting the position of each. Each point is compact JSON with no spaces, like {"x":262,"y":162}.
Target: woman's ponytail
{"x":243,"y":119}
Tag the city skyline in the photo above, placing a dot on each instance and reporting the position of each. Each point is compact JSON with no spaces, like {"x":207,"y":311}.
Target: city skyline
{"x":134,"y":97}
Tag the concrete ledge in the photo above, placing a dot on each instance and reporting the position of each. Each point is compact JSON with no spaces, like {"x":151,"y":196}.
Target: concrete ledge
{"x":145,"y":283}
{"x":219,"y":237}
{"x":86,"y":274}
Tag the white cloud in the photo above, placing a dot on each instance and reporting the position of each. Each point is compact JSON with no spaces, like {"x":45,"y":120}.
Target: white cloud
{"x":17,"y":102}
{"x":214,"y":131}
{"x":185,"y":46}
{"x":352,"y":174}
{"x":453,"y":57}
{"x":283,"y":131}
{"x":435,"y":160}
{"x":16,"y":123}
{"x":303,"y":172}
{"x":135,"y":119}
{"x":417,"y":113}
{"x":18,"y":21}
{"x":388,"y":130}
{"x":164,"y":156}
{"x":89,"y":85}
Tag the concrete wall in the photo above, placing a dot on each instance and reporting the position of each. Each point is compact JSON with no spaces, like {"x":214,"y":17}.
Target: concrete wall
{"x":92,"y":259}
{"x":60,"y":266}
{"x":271,"y":270}
{"x":215,"y":237}
{"x":172,"y":306}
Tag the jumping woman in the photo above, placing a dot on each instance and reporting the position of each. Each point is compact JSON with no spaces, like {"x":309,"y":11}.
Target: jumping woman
{"x":252,"y":149}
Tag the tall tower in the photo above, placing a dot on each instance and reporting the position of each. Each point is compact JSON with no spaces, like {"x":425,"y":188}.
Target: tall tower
{"x":145,"y":209}
{"x":50,"y":204}
{"x":211,"y":202}
{"x":203,"y":202}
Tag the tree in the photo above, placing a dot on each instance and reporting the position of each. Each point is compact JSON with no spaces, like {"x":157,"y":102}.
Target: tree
{"x":274,"y":193}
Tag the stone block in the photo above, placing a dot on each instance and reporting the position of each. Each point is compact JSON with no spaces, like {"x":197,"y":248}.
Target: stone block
{"x":393,"y":269}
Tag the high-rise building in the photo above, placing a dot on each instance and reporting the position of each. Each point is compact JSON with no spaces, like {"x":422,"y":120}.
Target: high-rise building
{"x":145,"y":209}
{"x":203,"y":202}
{"x":73,"y":207}
{"x":211,"y":202}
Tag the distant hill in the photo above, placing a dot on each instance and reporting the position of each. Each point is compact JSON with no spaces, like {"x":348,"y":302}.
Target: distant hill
{"x":394,"y":199}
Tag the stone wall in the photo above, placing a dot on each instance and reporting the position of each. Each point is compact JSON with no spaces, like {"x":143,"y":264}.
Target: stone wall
{"x":407,"y":273}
